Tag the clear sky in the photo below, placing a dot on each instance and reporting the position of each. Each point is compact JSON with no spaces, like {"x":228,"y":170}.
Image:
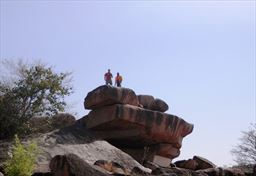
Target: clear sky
{"x":198,"y":56}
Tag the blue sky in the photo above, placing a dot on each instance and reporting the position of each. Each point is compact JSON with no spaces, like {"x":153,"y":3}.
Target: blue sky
{"x":198,"y":56}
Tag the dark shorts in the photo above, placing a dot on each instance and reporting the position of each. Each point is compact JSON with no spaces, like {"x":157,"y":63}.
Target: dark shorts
{"x":109,"y":82}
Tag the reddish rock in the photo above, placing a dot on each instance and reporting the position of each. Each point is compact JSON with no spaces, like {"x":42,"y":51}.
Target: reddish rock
{"x":159,"y":105}
{"x":203,"y":163}
{"x":130,"y":126}
{"x":149,"y":102}
{"x":146,"y":101}
{"x":168,"y":151}
{"x":109,"y":95}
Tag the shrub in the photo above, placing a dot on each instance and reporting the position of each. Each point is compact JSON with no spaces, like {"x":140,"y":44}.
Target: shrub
{"x":32,"y":90}
{"x":23,"y":159}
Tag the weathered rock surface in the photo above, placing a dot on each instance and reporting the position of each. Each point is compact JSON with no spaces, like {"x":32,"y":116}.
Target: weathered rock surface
{"x":187,"y":164}
{"x":203,"y":163}
{"x":159,"y":105}
{"x":125,"y":122}
{"x":146,"y":101}
{"x":149,"y":102}
{"x":112,"y":167}
{"x":131,"y":126}
{"x":79,"y":141}
{"x":197,"y":163}
{"x":108,"y":95}
{"x":70,"y":164}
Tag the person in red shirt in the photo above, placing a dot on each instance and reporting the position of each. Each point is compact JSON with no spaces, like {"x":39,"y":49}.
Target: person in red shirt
{"x":108,"y":77}
{"x":118,"y":80}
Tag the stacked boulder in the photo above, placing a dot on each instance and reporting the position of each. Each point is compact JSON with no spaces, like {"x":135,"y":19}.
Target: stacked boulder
{"x":137,"y":125}
{"x":196,"y":163}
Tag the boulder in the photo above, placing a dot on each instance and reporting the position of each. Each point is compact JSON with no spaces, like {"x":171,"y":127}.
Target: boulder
{"x":159,"y":105}
{"x":1,"y":174}
{"x":112,"y":167}
{"x":146,"y":101}
{"x":149,"y":102}
{"x":108,"y":95}
{"x":203,"y":163}
{"x":134,"y":127}
{"x":76,"y":140}
{"x":70,"y":164}
{"x":187,"y":164}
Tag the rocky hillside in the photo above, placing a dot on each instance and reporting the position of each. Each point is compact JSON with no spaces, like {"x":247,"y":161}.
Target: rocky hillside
{"x":123,"y":134}
{"x":133,"y":123}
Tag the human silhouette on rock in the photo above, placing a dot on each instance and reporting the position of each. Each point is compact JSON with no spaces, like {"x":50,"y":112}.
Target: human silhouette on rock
{"x":108,"y":77}
{"x":118,"y":80}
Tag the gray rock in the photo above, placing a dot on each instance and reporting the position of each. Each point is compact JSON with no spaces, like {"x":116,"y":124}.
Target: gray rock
{"x":187,"y":164}
{"x":71,"y":164}
{"x":203,"y":163}
{"x":78,"y":141}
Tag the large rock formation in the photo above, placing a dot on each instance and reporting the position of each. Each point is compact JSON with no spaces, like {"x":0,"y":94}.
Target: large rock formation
{"x":117,"y":116}
{"x":74,"y":140}
{"x":109,"y":95}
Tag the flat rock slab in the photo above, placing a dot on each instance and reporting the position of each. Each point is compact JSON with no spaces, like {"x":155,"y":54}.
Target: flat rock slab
{"x":136,"y":127}
{"x":108,"y":95}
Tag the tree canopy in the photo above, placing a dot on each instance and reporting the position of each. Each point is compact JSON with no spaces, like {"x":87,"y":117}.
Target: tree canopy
{"x":245,"y":151}
{"x":35,"y":90}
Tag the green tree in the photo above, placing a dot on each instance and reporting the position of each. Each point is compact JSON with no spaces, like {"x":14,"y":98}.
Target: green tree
{"x":34,"y":90}
{"x":245,"y":151}
{"x":22,"y":162}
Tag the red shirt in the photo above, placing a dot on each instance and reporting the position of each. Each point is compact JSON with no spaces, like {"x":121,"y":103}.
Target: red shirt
{"x":108,"y":76}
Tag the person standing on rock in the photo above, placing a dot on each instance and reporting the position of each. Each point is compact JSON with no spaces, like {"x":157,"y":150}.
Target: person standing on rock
{"x":108,"y":77}
{"x":118,"y":80}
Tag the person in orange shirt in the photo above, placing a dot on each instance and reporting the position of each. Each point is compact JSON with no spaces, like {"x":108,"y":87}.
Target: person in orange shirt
{"x":118,"y":80}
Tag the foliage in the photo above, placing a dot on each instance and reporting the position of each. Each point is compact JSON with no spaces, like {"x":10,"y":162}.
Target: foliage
{"x":245,"y":151}
{"x":23,"y":159}
{"x":35,"y":90}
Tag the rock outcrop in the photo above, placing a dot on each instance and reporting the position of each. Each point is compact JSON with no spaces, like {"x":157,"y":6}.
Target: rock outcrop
{"x":108,"y":95}
{"x":135,"y":124}
{"x":79,"y":141}
{"x":70,"y":164}
{"x":117,"y":116}
{"x":203,"y":163}
{"x":149,"y":102}
{"x":197,"y":163}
